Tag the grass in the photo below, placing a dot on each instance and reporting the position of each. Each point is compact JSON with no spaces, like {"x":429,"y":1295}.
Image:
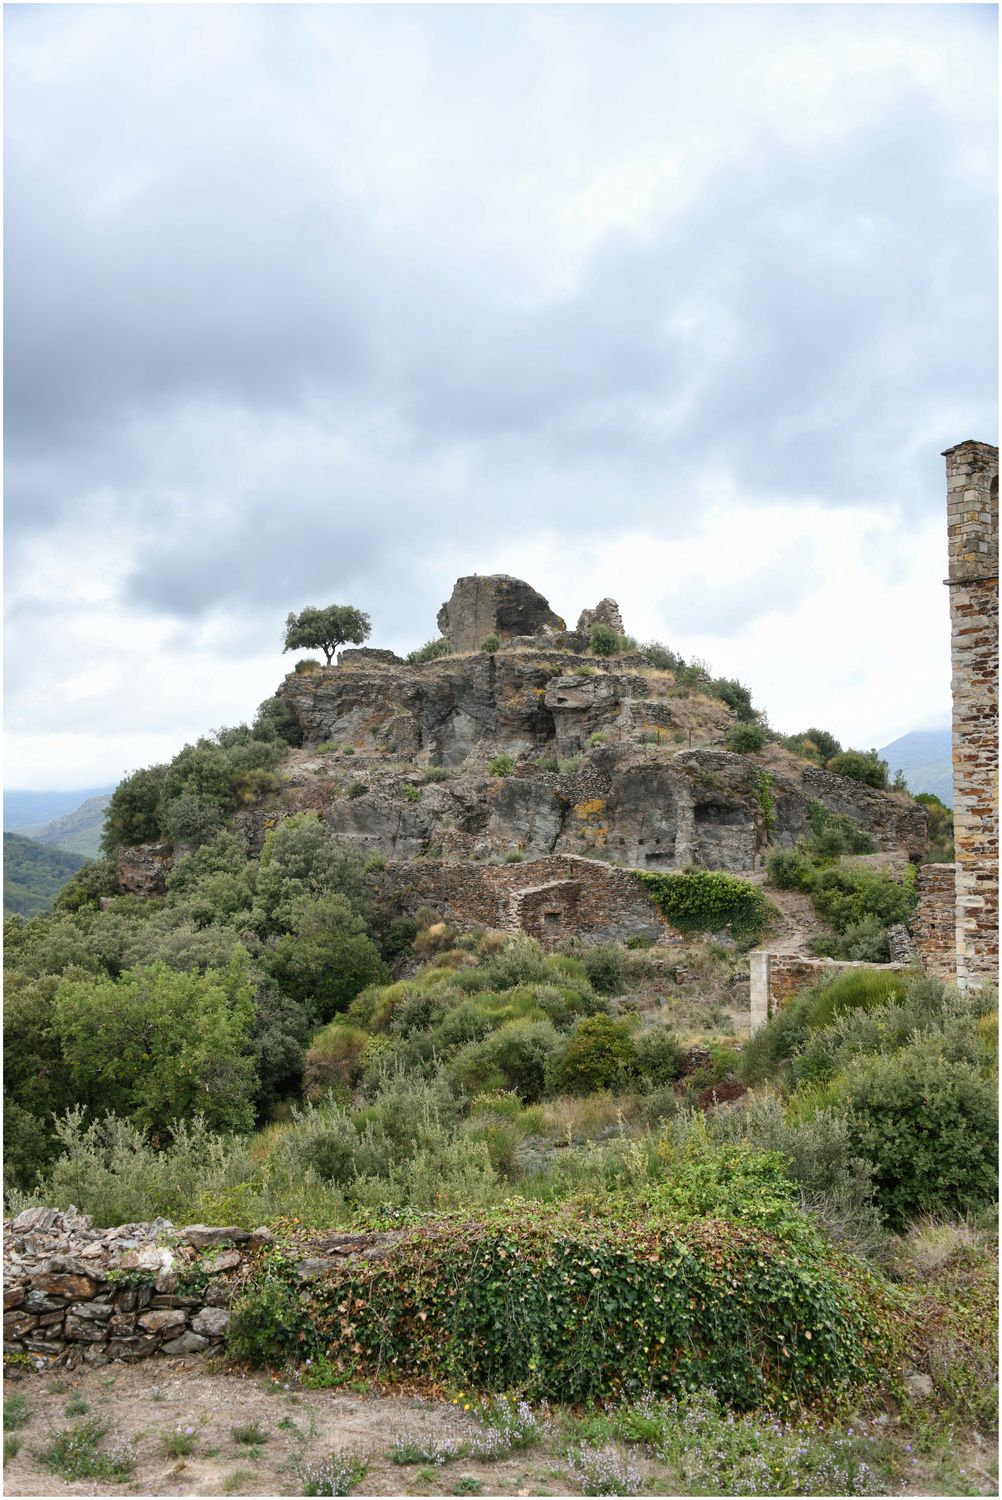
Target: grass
{"x":16,"y":1411}
{"x":78,"y":1452}
{"x":237,"y":1481}
{"x":11,"y":1448}
{"x":76,"y":1407}
{"x":251,"y":1434}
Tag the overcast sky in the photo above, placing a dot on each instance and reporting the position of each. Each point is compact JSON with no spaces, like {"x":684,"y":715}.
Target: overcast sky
{"x":675,"y":304}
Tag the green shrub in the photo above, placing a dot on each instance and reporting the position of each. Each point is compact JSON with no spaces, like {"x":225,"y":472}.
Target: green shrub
{"x":658,"y":1057}
{"x":570,"y":765}
{"x":791,"y":870}
{"x":736,"y":696}
{"x":833,"y":834}
{"x":707,"y":900}
{"x":579,"y":1309}
{"x":661,"y":657}
{"x":605,"y":967}
{"x":584,"y":670}
{"x":357,"y":789}
{"x":764,"y":1055}
{"x":845,"y":894}
{"x":500,"y":765}
{"x":430,"y":651}
{"x":928,"y":1124}
{"x":264,"y":1320}
{"x":491,"y":643}
{"x":514,"y":1058}
{"x":864,"y":941}
{"x":597,"y":1054}
{"x":16,"y":1411}
{"x":745,"y":738}
{"x":603,"y":640}
{"x":410,"y":793}
{"x":436,"y":773}
{"x":78,"y":1452}
{"x":860,"y":765}
{"x":307,"y":664}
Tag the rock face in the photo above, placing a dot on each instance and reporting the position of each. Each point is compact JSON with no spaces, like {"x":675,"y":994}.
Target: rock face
{"x":495,"y":605}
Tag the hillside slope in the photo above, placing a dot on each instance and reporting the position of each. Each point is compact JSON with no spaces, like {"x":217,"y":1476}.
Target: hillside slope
{"x":33,"y":875}
{"x":926,"y":757}
{"x":78,"y":831}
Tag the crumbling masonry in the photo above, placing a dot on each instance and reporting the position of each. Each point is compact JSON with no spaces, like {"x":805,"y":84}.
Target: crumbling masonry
{"x":972,"y":488}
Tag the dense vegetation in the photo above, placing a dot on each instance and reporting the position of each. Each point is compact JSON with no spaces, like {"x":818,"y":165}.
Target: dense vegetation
{"x":33,"y":874}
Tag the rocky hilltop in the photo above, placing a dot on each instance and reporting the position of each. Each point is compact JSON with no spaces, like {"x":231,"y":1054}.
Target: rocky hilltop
{"x":537,"y":749}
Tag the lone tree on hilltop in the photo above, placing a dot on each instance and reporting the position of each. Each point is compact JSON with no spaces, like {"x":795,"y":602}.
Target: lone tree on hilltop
{"x":326,"y":629}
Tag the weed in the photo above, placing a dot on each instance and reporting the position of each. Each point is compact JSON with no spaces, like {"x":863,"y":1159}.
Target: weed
{"x":78,"y":1453}
{"x":16,"y":1411}
{"x":75,"y":1407}
{"x":11,"y":1448}
{"x":336,"y":1475}
{"x":466,"y":1484}
{"x":179,"y":1443}
{"x":603,"y":1471}
{"x":443,"y":1452}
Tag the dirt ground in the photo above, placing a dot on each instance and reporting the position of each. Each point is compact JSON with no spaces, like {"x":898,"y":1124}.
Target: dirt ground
{"x":143,"y":1403}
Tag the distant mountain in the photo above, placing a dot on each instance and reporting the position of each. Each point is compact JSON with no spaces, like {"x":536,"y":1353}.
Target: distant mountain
{"x":23,"y":810}
{"x":33,"y":874}
{"x":926,"y":757}
{"x":78,"y":831}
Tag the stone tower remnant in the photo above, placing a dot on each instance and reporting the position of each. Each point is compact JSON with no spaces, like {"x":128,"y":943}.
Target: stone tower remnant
{"x":972,"y":497}
{"x":494,"y":605}
{"x":606,"y":612}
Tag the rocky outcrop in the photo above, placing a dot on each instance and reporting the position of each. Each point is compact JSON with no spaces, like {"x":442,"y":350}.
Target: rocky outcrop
{"x":142,"y":869}
{"x":495,"y":605}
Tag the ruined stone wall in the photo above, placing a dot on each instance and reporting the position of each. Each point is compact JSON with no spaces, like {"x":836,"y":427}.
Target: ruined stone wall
{"x":74,"y":1294}
{"x":935,"y":920}
{"x":553,"y":898}
{"x":972,"y":521}
{"x":777,"y":977}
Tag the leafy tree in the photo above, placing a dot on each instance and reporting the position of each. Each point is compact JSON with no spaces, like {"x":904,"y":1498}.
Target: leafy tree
{"x":328,"y":958}
{"x":155,"y":1046}
{"x":326,"y":629}
{"x":597,"y":1055}
{"x":276,"y":721}
{"x":300,"y":859}
{"x":190,"y":819}
{"x":826,"y":744}
{"x":133,"y":812}
{"x":87,"y":886}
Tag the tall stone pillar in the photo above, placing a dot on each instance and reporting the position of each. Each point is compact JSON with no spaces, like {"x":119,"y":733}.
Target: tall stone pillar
{"x":972,"y":497}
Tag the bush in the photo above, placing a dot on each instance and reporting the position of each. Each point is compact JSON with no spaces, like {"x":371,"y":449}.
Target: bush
{"x":134,"y":809}
{"x":738,"y":698}
{"x":430,"y":651}
{"x":845,"y":895}
{"x":658,"y":1058}
{"x":606,"y":968}
{"x":603,"y":640}
{"x":501,"y":765}
{"x":833,"y":834}
{"x":744,"y":739}
{"x":581,"y":1309}
{"x":597,"y":1054}
{"x":707,"y":900}
{"x":190,"y":819}
{"x":307,"y":664}
{"x":410,"y":792}
{"x":514,"y":1059}
{"x":491,"y":643}
{"x":661,"y":657}
{"x":860,"y":765}
{"x":791,"y":870}
{"x":763,"y":1057}
{"x":263,"y":1326}
{"x":928,"y":1124}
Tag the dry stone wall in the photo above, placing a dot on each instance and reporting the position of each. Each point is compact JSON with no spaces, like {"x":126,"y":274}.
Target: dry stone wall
{"x":75,"y":1294}
{"x":554,"y":898}
{"x":972,"y":471}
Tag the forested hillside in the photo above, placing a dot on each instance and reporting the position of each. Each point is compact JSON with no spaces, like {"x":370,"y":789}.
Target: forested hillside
{"x":33,"y":874}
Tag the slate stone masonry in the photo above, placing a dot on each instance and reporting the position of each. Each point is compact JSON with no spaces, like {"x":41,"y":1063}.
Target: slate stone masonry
{"x":972,"y":470}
